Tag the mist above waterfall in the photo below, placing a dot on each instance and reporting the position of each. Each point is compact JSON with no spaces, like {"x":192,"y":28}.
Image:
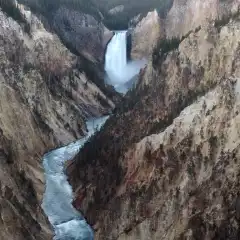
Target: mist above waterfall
{"x":119,"y":70}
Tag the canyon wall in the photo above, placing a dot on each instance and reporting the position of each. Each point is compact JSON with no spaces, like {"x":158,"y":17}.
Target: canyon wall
{"x":45,"y":99}
{"x":186,"y":15}
{"x":183,"y":17}
{"x":145,"y":36}
{"x":166,"y":165}
{"x":83,"y":32}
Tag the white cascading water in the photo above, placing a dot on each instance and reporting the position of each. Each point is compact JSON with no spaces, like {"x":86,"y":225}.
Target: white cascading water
{"x":119,"y":70}
{"x":116,"y":57}
{"x":67,"y":222}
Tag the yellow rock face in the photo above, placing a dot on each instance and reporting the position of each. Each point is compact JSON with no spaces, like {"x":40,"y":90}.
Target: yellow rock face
{"x":175,"y":158}
{"x":44,"y":101}
{"x":145,"y":35}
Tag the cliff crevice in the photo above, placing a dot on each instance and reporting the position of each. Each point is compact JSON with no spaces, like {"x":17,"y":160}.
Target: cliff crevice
{"x":167,"y":142}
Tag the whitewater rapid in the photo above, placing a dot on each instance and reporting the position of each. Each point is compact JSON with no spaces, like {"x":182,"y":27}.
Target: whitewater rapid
{"x":67,"y":222}
{"x":120,"y":72}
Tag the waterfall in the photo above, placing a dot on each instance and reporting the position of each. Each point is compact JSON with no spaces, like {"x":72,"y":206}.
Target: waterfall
{"x":119,"y":70}
{"x":116,"y":57}
{"x":67,"y":222}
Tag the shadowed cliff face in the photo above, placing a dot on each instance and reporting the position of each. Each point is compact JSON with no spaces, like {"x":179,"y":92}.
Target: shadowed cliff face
{"x":168,"y":185}
{"x":45,"y":99}
{"x":78,"y":23}
{"x":118,"y":14}
{"x":83,"y":32}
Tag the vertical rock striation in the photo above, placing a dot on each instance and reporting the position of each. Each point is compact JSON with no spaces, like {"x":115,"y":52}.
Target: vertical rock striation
{"x":45,"y":99}
{"x":145,"y":36}
{"x":166,"y":165}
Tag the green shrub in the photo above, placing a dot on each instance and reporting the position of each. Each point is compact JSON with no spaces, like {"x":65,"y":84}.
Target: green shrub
{"x":219,"y":23}
{"x":99,"y":9}
{"x":167,"y":45}
{"x":48,"y":7}
{"x":132,"y":8}
{"x":222,"y":22}
{"x":163,"y":47}
{"x":198,"y":29}
{"x":11,"y":9}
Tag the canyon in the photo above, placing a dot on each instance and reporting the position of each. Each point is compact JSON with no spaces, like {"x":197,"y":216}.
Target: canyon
{"x":165,"y":165}
{"x":46,"y":98}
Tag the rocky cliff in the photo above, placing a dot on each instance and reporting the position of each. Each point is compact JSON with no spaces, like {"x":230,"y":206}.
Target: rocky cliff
{"x":183,"y":17}
{"x":186,"y":15}
{"x":45,"y":99}
{"x":145,"y":36}
{"x":118,"y":13}
{"x":166,"y":164}
{"x":83,"y":32}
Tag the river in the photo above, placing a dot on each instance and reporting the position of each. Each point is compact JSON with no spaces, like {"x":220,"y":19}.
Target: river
{"x":67,"y":222}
